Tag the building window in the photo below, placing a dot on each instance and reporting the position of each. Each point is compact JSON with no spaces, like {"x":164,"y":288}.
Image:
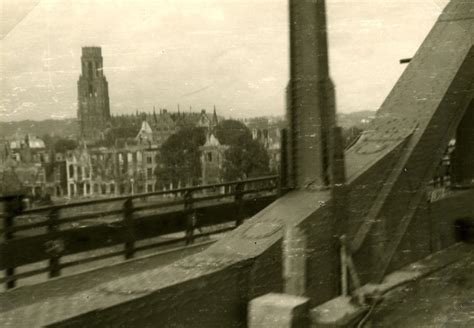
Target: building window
{"x":209,"y":157}
{"x":149,"y":188}
{"x":112,"y":188}
{"x":71,"y":171}
{"x":71,"y":189}
{"x":80,"y":189}
{"x":96,"y":188}
{"x":86,"y":172}
{"x":88,"y":188}
{"x":149,"y":159}
{"x":103,"y":189}
{"x":149,"y":172}
{"x":89,"y":69}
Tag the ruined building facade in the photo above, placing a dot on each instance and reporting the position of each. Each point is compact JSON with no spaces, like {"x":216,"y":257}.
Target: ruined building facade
{"x":127,"y":169}
{"x":93,"y":96}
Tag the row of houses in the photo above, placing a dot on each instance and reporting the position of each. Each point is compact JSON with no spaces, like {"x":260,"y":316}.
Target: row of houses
{"x":127,"y":167}
{"x":26,"y":165}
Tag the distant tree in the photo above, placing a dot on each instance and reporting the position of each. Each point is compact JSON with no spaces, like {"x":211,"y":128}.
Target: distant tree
{"x":122,"y":131}
{"x":180,"y":157}
{"x":9,"y":181}
{"x":48,"y":141}
{"x":245,"y":157}
{"x":62,"y":145}
{"x":245,"y":160}
{"x":125,"y":131}
{"x":58,"y":144}
{"x":232,"y":132}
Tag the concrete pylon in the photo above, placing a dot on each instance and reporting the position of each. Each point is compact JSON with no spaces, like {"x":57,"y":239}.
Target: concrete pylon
{"x":311,"y":101}
{"x":463,"y":161}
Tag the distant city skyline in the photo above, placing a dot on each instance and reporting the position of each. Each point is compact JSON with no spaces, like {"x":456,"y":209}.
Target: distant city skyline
{"x":200,"y":53}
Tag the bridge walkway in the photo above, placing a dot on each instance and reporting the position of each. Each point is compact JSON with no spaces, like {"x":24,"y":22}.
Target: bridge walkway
{"x":102,"y":272}
{"x":442,"y":299}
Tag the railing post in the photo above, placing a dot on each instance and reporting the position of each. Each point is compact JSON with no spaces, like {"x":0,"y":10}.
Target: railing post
{"x":239,"y":200}
{"x":190,"y":217}
{"x":283,"y":178}
{"x":54,"y":247}
{"x":13,"y":207}
{"x":129,"y":230}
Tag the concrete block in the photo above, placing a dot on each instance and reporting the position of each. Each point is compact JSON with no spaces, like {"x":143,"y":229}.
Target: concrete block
{"x":278,"y":311}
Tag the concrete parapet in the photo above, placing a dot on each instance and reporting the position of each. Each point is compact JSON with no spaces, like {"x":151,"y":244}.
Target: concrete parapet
{"x":278,"y":311}
{"x":338,"y":312}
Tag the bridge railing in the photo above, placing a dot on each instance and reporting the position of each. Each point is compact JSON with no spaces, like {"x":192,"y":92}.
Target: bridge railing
{"x":58,"y":232}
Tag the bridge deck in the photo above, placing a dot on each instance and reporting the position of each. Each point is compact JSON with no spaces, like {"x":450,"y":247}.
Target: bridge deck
{"x":442,"y":299}
{"x":69,"y":285}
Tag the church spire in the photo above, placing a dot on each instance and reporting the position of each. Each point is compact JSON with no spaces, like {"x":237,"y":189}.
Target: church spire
{"x":214,"y":121}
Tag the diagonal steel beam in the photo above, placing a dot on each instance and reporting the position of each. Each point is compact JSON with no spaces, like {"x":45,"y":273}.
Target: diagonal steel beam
{"x":430,"y":99}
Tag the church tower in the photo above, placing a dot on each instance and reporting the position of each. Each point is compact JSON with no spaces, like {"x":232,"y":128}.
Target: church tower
{"x":92,"y":95}
{"x":212,"y":160}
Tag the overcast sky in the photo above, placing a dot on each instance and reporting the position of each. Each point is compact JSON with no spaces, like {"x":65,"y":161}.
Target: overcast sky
{"x":199,"y":53}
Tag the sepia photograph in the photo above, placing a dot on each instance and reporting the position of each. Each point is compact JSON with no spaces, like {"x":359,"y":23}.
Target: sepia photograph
{"x":237,"y":163}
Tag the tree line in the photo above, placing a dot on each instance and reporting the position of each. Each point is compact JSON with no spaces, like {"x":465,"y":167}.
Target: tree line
{"x":180,"y":155}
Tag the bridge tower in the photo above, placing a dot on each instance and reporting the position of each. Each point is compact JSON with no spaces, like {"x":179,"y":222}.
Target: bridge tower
{"x":92,"y":95}
{"x":311,"y":100}
{"x":463,"y":162}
